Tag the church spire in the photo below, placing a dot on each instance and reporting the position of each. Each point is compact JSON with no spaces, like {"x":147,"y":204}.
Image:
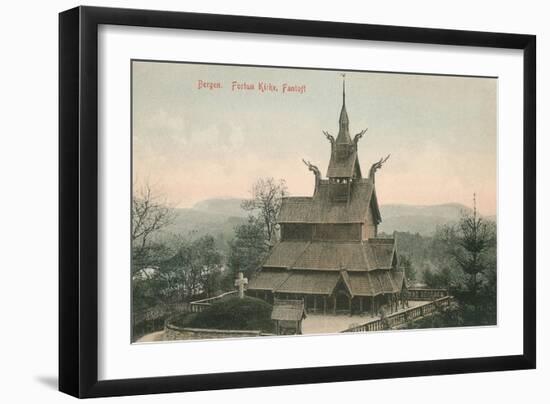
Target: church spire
{"x":344,"y":89}
{"x":343,"y":164}
{"x":343,"y":133}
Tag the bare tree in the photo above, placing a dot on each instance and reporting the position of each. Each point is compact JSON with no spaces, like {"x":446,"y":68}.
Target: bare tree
{"x":194,"y":268}
{"x":150,"y":214}
{"x":267,"y":194}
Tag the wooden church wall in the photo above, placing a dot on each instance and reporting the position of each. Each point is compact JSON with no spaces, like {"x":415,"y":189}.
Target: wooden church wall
{"x":334,"y":232}
{"x":296,"y":231}
{"x":351,"y":231}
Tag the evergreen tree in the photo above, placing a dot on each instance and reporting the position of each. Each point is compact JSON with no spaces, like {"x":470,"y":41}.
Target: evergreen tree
{"x":408,"y":267}
{"x":473,"y":240}
{"x":248,"y":249}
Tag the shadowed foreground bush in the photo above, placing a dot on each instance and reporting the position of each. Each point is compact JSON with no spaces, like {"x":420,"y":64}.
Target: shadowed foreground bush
{"x":235,"y":314}
{"x":442,"y":318}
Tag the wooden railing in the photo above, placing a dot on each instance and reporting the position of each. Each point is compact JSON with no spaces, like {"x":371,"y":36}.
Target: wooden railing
{"x":201,"y":305}
{"x":402,"y":317}
{"x":426,"y":294}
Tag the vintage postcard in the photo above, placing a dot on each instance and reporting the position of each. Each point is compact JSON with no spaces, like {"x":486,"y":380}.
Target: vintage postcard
{"x":275,"y":201}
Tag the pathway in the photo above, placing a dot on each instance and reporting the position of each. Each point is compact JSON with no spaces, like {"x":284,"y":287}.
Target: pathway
{"x":152,"y":337}
{"x":330,"y":323}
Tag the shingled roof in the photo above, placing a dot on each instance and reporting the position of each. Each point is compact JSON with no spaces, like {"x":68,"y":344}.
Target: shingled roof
{"x":321,"y":209}
{"x":284,"y":254}
{"x":371,"y":283}
{"x":380,"y":252}
{"x":319,"y":283}
{"x":267,"y":280}
{"x":289,"y":310}
{"x":333,"y":256}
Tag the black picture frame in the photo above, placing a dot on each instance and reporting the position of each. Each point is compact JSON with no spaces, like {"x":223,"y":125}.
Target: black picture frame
{"x":78,"y":200}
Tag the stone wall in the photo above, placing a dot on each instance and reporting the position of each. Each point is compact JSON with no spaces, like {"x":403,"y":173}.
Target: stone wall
{"x":172,"y":333}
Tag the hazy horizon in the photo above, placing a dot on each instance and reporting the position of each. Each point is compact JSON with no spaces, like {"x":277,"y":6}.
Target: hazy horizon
{"x":228,"y":198}
{"x":196,"y":143}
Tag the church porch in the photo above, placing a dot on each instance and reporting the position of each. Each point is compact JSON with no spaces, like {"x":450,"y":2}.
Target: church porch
{"x":340,"y":303}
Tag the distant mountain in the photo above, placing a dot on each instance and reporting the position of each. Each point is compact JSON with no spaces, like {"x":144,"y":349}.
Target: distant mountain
{"x":419,"y":219}
{"x":225,"y":206}
{"x":448,"y":210}
{"x":218,"y":217}
{"x":193,"y":223}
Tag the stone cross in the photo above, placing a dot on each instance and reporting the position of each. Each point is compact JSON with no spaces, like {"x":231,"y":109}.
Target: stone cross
{"x":240,"y":282}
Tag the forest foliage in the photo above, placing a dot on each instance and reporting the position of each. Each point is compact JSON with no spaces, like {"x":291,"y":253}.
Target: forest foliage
{"x":178,"y":268}
{"x":459,"y":256}
{"x":462,"y":258}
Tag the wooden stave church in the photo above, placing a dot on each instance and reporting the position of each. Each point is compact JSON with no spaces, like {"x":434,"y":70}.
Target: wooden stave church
{"x":329,"y":253}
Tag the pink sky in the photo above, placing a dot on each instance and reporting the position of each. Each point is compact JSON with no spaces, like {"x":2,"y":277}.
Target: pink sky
{"x":197,"y":144}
